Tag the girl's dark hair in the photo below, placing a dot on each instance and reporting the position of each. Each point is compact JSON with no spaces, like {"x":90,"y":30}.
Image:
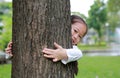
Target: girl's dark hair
{"x":75,"y":18}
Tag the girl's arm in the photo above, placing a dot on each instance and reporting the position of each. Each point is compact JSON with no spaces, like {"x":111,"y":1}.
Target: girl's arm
{"x":65,"y":55}
{"x":73,"y":55}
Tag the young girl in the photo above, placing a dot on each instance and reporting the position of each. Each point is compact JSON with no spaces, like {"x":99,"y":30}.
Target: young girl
{"x":78,"y":31}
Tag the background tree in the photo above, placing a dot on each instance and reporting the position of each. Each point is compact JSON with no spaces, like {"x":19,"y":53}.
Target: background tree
{"x":97,"y":16}
{"x":113,"y":14}
{"x":38,"y":24}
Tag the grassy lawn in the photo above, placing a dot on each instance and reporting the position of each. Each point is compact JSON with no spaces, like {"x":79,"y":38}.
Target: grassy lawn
{"x":99,"y":67}
{"x":5,"y":71}
{"x":89,"y":67}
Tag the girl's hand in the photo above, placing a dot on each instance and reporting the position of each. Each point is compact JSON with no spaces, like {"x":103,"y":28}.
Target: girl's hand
{"x":8,"y":50}
{"x":55,"y":54}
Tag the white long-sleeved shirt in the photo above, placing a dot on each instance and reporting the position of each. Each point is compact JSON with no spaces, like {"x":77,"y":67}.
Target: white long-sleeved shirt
{"x":73,"y":55}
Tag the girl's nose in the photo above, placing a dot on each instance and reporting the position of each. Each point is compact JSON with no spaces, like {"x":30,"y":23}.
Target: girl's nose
{"x":76,"y":36}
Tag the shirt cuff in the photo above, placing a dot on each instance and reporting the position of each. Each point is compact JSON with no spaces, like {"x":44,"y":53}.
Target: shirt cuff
{"x":73,"y":55}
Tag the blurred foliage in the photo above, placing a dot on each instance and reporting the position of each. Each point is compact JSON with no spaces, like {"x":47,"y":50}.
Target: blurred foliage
{"x":6,"y":21}
{"x":114,"y":5}
{"x":97,"y":17}
{"x":113,"y":14}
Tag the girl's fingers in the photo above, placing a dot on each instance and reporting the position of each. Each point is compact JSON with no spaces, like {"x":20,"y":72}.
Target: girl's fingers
{"x":57,"y":45}
{"x":47,"y":52}
{"x":47,"y":49}
{"x":9,"y":44}
{"x":55,"y":60}
{"x":48,"y":56}
{"x":7,"y":49}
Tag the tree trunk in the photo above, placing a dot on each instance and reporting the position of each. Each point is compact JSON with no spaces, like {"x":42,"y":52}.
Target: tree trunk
{"x":38,"y":24}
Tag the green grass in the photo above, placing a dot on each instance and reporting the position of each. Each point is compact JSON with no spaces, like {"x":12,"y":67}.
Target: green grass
{"x":89,"y":67}
{"x":99,"y":67}
{"x":5,"y":71}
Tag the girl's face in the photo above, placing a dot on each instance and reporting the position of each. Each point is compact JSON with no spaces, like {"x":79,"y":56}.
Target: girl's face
{"x":78,"y":30}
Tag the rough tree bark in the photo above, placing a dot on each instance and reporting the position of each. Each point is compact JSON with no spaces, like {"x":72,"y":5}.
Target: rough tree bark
{"x":36,"y":24}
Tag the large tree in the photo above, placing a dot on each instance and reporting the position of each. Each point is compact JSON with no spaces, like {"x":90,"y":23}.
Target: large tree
{"x":38,"y":24}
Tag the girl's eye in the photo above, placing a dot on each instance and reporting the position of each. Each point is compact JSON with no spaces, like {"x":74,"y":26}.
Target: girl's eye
{"x":80,"y":37}
{"x":75,"y":31}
